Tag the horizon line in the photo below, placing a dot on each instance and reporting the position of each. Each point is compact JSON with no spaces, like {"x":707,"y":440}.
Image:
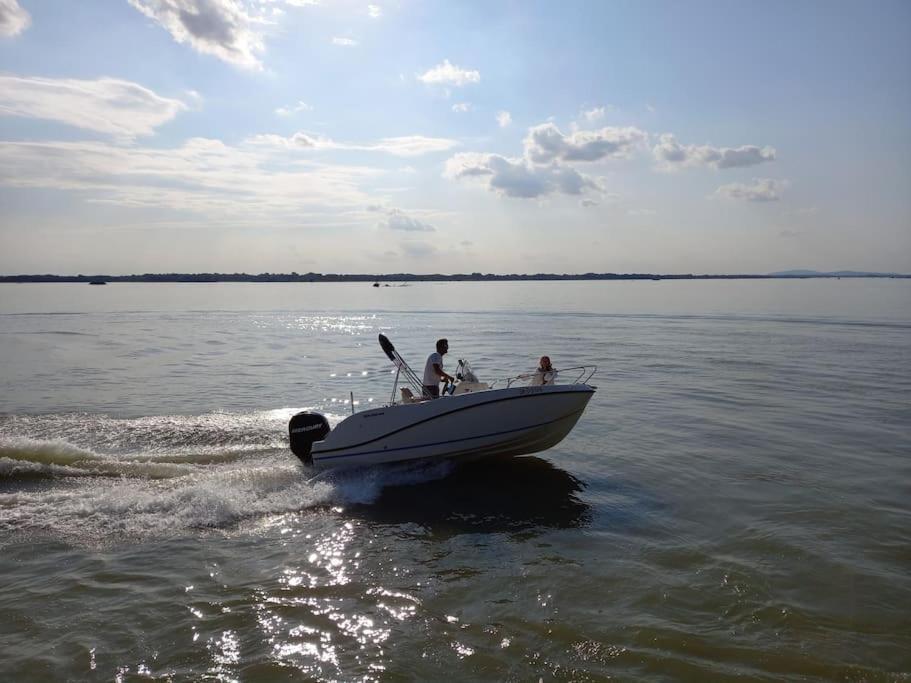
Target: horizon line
{"x":294,"y":276}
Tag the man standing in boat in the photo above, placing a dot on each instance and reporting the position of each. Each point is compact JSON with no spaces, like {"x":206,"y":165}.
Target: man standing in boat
{"x":434,"y":372}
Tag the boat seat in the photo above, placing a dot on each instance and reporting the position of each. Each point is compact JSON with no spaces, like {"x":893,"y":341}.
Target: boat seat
{"x":540,"y":378}
{"x":408,"y":396}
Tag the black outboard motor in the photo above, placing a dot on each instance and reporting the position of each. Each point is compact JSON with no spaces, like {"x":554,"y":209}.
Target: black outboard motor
{"x":304,"y":429}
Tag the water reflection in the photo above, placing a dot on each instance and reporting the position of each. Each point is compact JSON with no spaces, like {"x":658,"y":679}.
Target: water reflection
{"x":488,"y":496}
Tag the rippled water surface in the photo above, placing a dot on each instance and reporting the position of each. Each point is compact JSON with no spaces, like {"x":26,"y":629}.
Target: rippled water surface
{"x":733,"y":504}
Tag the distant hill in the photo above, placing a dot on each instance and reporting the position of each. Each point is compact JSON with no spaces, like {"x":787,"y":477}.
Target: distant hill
{"x":835,"y":273}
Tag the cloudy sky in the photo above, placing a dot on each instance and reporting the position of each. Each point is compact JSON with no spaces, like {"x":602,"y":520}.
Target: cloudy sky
{"x":340,"y":136}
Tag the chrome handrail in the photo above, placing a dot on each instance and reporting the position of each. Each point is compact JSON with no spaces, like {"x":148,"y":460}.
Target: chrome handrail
{"x":584,"y":371}
{"x":581,"y":375}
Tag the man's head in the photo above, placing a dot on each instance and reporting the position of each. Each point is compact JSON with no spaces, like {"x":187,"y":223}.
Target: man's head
{"x":442,"y":346}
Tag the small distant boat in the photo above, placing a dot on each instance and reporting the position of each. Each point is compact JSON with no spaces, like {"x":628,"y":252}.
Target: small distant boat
{"x":376,"y":284}
{"x":97,"y":282}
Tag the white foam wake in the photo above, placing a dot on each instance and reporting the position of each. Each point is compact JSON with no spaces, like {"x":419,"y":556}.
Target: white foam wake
{"x":83,"y":496}
{"x":99,"y":510}
{"x":23,"y":458}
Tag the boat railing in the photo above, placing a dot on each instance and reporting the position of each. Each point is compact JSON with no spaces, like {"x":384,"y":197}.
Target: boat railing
{"x":581,"y":374}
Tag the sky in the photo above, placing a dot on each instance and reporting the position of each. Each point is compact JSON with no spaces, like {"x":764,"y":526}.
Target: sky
{"x":427,"y":137}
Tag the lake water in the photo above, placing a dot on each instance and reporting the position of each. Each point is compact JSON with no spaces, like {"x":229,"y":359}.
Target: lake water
{"x":734,"y":503}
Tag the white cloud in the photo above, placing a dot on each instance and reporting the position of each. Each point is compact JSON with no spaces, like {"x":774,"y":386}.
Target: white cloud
{"x":299,"y":140}
{"x":545,"y":143}
{"x":107,"y":105}
{"x":293,"y":109}
{"x":594,"y":115}
{"x":641,"y":212}
{"x":404,"y":146}
{"x":466,"y":165}
{"x":217,"y":27}
{"x":761,"y":190}
{"x":449,"y":74}
{"x":517,"y":177}
{"x":202,"y":176}
{"x":547,"y":166}
{"x":344,"y":42}
{"x":543,"y":170}
{"x":504,"y":118}
{"x":13,"y":19}
{"x":398,"y":220}
{"x":461,"y":107}
{"x":671,"y":154}
{"x":375,"y":11}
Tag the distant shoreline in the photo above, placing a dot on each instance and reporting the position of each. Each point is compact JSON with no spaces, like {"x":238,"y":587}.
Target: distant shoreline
{"x":410,"y":277}
{"x":400,"y":278}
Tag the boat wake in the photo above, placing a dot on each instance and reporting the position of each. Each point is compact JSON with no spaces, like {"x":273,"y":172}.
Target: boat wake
{"x":104,"y":480}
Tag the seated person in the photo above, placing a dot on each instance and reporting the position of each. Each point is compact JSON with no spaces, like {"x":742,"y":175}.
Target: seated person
{"x":545,"y":374}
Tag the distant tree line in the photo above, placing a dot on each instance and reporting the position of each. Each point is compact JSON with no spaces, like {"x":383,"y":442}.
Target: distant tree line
{"x":412,"y":277}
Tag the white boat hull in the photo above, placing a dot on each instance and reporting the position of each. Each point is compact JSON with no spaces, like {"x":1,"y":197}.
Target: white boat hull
{"x":500,"y":422}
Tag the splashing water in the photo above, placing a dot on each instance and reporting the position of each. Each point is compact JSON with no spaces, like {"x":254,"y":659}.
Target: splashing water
{"x":105,"y":479}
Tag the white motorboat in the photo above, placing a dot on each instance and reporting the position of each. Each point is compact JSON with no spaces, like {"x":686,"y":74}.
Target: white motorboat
{"x":470,"y":420}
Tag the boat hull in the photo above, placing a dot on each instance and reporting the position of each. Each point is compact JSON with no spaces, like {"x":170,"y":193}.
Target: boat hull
{"x":504,"y":422}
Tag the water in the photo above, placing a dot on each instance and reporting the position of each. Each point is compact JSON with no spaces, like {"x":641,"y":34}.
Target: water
{"x":733,"y":504}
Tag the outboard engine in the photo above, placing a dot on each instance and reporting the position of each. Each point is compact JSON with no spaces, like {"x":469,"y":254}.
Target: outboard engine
{"x":304,"y":429}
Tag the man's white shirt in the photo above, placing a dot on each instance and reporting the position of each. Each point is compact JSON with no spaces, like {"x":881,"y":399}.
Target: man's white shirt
{"x":431,"y":378}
